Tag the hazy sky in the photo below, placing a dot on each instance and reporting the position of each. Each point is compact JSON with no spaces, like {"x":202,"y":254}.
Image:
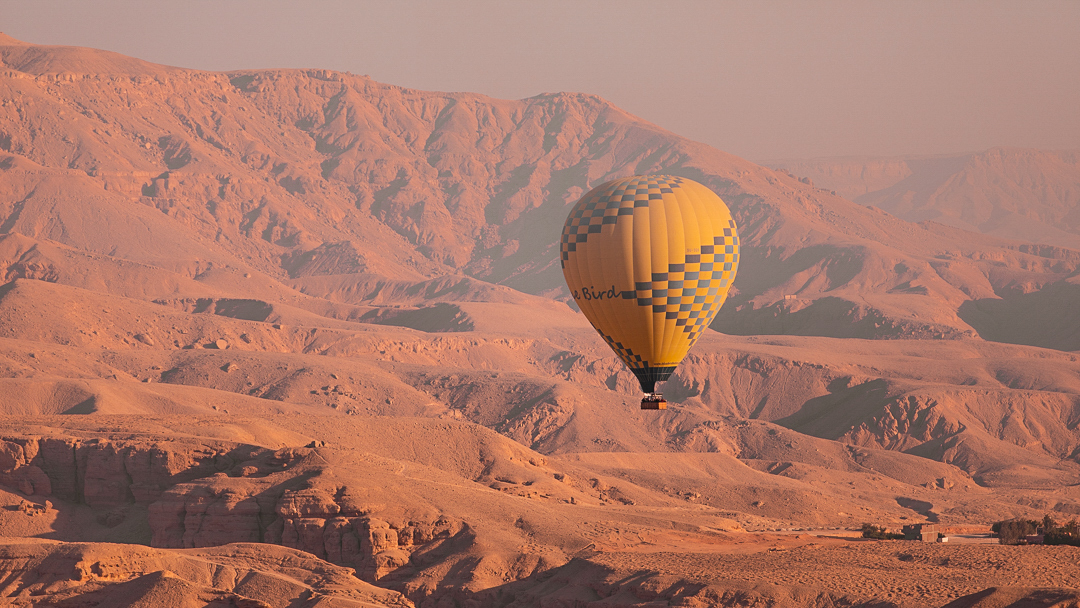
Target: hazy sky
{"x":763,"y":80}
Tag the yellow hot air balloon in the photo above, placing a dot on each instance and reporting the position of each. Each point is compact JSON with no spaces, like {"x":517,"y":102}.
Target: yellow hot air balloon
{"x":649,"y":260}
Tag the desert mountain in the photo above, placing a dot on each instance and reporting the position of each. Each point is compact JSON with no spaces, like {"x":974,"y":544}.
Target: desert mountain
{"x":304,"y":175}
{"x":1020,"y":194}
{"x":305,"y":309}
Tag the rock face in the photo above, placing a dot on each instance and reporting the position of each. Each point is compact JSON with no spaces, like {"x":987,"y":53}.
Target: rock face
{"x":101,"y":474}
{"x":327,"y":522}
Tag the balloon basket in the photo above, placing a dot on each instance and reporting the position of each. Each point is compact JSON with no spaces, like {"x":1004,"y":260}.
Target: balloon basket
{"x":653,"y":401}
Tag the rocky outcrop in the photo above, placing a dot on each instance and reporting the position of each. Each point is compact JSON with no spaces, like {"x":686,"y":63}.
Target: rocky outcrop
{"x":17,"y":470}
{"x":326,"y":521}
{"x":105,"y":474}
{"x":372,"y":546}
{"x":210,"y":495}
{"x":244,"y":576}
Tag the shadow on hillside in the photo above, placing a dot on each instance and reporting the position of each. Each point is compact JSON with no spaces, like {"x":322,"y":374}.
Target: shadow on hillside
{"x":845,"y":407}
{"x":1048,"y":318}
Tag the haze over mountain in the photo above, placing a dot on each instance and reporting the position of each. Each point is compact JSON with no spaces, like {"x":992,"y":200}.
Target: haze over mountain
{"x":1020,"y":194}
{"x":206,"y":272}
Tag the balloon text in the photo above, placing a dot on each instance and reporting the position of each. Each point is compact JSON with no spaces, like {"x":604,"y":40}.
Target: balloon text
{"x":592,"y":293}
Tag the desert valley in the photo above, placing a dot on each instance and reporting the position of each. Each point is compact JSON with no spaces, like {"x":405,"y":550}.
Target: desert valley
{"x":301,"y":338}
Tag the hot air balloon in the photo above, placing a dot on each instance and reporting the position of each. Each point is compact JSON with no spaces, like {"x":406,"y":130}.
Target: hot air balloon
{"x":649,"y":260}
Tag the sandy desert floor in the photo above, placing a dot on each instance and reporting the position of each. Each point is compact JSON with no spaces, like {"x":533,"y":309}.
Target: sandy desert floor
{"x":898,"y":572}
{"x":738,"y":570}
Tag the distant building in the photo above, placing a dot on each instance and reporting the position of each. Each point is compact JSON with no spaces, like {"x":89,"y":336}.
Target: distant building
{"x":927,"y":533}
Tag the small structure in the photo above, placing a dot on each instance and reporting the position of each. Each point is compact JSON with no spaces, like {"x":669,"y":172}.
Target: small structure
{"x":927,"y":533}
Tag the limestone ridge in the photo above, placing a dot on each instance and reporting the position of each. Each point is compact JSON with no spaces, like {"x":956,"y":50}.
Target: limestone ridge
{"x":308,"y":174}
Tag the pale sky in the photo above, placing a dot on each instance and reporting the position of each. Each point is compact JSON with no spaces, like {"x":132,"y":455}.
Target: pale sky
{"x":762,"y":80}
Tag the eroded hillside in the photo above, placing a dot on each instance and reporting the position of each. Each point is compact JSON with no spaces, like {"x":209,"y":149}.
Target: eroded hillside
{"x":305,"y":309}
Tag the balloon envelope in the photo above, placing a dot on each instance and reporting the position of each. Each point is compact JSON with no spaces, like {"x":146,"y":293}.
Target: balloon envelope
{"x":649,"y":260}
